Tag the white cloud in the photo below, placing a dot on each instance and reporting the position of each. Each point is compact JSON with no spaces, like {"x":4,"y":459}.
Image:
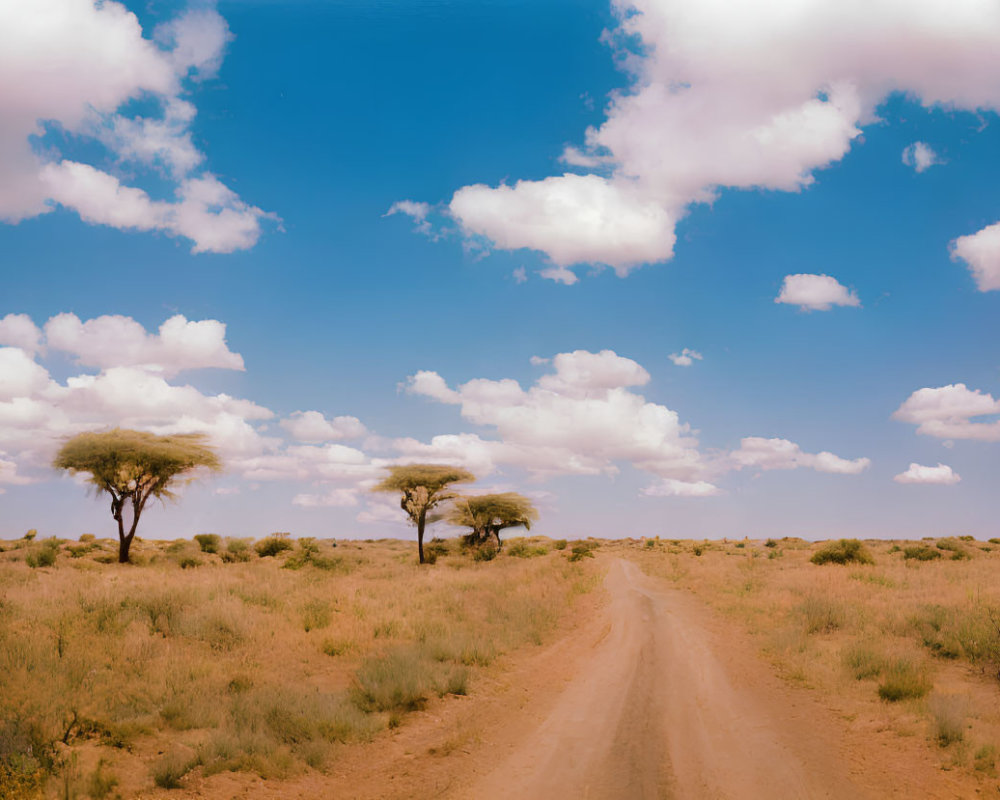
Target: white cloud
{"x":313,"y":427}
{"x":685,"y":358}
{"x":668,"y":487}
{"x":920,"y":156}
{"x":981,"y":253}
{"x":726,"y":94}
{"x":815,"y":292}
{"x":414,"y":210}
{"x":334,"y":497}
{"x":18,"y":330}
{"x":520,"y":275}
{"x":117,"y":341}
{"x":579,"y":419}
{"x":942,"y":475}
{"x":948,"y":412}
{"x":768,"y":454}
{"x":72,"y":65}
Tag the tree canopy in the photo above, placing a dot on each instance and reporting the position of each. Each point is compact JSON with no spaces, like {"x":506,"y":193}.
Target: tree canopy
{"x":488,"y":514}
{"x":422,"y":487}
{"x":133,"y":466}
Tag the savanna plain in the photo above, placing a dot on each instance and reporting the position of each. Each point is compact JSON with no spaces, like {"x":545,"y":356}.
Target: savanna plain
{"x":306,"y":668}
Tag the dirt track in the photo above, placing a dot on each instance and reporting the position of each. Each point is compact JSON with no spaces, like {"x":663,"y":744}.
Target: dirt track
{"x":659,"y":712}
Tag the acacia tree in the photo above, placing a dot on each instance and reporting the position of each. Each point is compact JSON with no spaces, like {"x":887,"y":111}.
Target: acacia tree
{"x":488,"y":514}
{"x":133,"y":466}
{"x":422,"y":487}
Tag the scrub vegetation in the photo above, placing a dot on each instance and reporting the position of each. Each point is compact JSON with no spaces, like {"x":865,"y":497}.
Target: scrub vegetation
{"x":213,"y":655}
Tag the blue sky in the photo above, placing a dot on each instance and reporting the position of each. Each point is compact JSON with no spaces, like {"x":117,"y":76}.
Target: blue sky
{"x":802,"y":154}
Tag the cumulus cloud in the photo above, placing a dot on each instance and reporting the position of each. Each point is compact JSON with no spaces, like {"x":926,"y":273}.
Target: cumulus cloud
{"x":920,"y":156}
{"x":981,"y":253}
{"x":731,"y":95}
{"x":815,"y":292}
{"x":685,"y":358}
{"x":18,"y":330}
{"x":313,"y":427}
{"x":583,"y":419}
{"x":118,"y":341}
{"x":768,"y":454}
{"x":950,"y":412}
{"x":942,"y":475}
{"x":72,"y":66}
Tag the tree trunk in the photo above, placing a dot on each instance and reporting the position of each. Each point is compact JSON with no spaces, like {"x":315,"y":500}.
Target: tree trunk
{"x":125,"y":539}
{"x":421,"y":521}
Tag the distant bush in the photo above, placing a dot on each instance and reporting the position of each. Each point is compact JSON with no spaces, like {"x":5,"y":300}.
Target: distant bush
{"x":921,"y":552}
{"x":955,"y":547}
{"x":86,"y":538}
{"x":994,"y":541}
{"x":80,"y":550}
{"x":650,"y":543}
{"x":697,"y":549}
{"x":580,"y":551}
{"x":30,"y":535}
{"x":770,"y":543}
{"x":308,"y":554}
{"x":190,"y":562}
{"x":967,"y":538}
{"x":44,"y":556}
{"x":208,"y":542}
{"x":843,"y":551}
{"x":273,"y":544}
{"x":519,"y":548}
{"x":237,"y":550}
{"x":559,"y":544}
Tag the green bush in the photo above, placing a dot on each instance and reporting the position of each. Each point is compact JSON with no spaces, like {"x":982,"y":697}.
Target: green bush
{"x":273,"y":544}
{"x":190,"y":562}
{"x":237,"y":550}
{"x":843,"y":551}
{"x":485,"y":552}
{"x":770,"y":543}
{"x":87,"y":538}
{"x":580,"y":551}
{"x":44,"y":556}
{"x":208,"y":542}
{"x":921,"y":552}
{"x":559,"y":544}
{"x":30,"y":535}
{"x":519,"y":548}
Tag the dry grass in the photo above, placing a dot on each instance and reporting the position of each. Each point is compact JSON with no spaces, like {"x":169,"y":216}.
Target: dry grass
{"x":910,"y":638}
{"x":217,"y":659}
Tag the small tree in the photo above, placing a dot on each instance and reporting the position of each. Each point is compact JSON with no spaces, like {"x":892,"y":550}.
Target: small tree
{"x":133,"y":466}
{"x":422,"y":487}
{"x":488,"y":514}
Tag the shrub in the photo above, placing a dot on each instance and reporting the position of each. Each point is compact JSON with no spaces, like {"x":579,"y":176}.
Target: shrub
{"x":559,"y":544}
{"x":190,"y":563}
{"x":101,"y":782}
{"x":770,"y":543}
{"x":485,"y":552}
{"x":580,"y":551}
{"x":863,"y":660}
{"x":273,"y":544}
{"x":87,"y":538}
{"x":821,"y":614}
{"x":903,"y":680}
{"x":697,"y":549}
{"x":44,"y":556}
{"x":237,"y":550}
{"x":208,"y":542}
{"x":30,"y":535}
{"x":650,"y":543}
{"x":168,"y":771}
{"x":843,"y":551}
{"x":921,"y":552}
{"x":955,"y":547}
{"x":948,"y":713}
{"x":519,"y":548}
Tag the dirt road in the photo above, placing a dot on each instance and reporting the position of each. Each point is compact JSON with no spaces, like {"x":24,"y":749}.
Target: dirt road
{"x":659,"y":711}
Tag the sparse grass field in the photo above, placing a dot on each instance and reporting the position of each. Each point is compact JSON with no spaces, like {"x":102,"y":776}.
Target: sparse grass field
{"x":900,"y":636}
{"x":213,"y":655}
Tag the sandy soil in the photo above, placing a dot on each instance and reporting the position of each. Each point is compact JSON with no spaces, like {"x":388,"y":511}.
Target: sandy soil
{"x":652,"y":696}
